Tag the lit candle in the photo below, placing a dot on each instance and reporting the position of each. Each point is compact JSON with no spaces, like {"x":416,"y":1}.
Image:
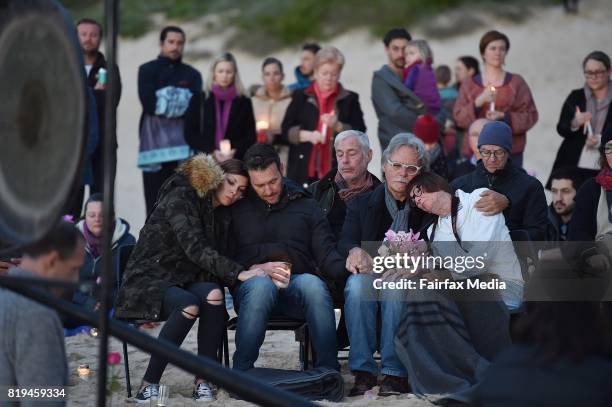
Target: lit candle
{"x":83,"y":371}
{"x":226,"y":147}
{"x":492,"y":106}
{"x":262,"y":125}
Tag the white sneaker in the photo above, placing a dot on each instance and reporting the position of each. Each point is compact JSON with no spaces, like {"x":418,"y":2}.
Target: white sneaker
{"x":204,"y":392}
{"x":145,"y":394}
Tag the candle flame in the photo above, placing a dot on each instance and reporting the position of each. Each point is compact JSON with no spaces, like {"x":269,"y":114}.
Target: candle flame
{"x":493,"y":89}
{"x":262,"y":125}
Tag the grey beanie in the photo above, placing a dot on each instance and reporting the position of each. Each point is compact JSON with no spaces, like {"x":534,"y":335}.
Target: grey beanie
{"x":496,"y":133}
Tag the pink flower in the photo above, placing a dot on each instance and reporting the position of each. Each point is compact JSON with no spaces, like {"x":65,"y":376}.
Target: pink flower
{"x":114,"y":358}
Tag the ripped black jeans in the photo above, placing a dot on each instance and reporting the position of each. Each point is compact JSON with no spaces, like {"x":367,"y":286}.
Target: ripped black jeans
{"x":213,"y":318}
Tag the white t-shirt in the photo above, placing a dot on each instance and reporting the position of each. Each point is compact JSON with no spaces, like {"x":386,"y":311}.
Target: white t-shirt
{"x":492,"y":232}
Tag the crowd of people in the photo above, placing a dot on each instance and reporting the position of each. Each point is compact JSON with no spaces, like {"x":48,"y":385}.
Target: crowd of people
{"x":266,"y":191}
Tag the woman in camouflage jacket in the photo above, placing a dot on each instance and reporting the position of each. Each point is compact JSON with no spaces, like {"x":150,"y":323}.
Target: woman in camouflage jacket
{"x":176,"y":270}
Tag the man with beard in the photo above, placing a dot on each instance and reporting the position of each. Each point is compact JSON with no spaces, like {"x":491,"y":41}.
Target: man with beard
{"x":368,"y":218}
{"x":305,"y":70}
{"x":563,"y":187}
{"x":32,"y":352}
{"x":90,"y":37}
{"x":396,"y":106}
{"x":167,"y":87}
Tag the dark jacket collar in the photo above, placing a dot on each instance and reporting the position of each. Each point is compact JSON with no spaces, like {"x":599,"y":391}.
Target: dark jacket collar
{"x":169,"y":61}
{"x":291,"y":192}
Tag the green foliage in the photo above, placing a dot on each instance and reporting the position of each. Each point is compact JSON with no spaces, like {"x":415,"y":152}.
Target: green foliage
{"x":288,"y":22}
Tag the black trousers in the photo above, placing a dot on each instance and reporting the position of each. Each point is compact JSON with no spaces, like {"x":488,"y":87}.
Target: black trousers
{"x":212,"y":324}
{"x":97,"y":163}
{"x":153,"y":181}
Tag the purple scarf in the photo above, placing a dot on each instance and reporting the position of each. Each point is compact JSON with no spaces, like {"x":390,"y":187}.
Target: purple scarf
{"x":93,"y":243}
{"x":226,"y":96}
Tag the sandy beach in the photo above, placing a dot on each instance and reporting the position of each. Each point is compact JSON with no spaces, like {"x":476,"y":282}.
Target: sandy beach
{"x":547,"y":50}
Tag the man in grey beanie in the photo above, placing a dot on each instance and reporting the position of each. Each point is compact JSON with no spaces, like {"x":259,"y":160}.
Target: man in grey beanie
{"x":519,"y":195}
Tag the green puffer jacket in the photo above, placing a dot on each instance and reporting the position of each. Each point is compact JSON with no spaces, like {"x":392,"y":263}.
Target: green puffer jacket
{"x":179,"y":244}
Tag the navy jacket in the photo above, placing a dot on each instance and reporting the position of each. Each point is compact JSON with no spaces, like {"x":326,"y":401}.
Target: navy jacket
{"x":527,"y":210}
{"x":162,"y":72}
{"x":294,"y":230}
{"x":367,"y":219}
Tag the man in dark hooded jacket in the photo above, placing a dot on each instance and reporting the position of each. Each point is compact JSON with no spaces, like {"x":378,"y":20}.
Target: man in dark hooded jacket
{"x":278,"y":222}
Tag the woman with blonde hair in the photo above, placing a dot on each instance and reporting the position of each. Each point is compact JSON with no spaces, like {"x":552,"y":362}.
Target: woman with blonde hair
{"x":224,"y":113}
{"x":316,"y":115}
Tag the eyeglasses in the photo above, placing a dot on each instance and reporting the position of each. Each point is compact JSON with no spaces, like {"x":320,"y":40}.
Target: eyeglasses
{"x":595,"y":74}
{"x":412,"y":169}
{"x":417,"y":191}
{"x":489,"y":153}
{"x":608,"y":149}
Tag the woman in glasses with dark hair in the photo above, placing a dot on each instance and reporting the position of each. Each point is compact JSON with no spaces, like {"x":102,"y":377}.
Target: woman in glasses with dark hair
{"x":584,"y":116}
{"x":469,"y":326}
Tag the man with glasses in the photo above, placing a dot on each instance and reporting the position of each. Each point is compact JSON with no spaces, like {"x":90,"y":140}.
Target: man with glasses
{"x":519,"y":195}
{"x":368,"y":218}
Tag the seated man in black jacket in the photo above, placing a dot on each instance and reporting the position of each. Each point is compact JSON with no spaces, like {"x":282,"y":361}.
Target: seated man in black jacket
{"x":351,"y":179}
{"x":278,"y":222}
{"x":523,"y":201}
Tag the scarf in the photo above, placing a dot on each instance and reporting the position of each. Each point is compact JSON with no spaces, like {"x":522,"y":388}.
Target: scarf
{"x":399,"y":216}
{"x":226,"y":96}
{"x":347,"y":193}
{"x":321,"y":154}
{"x":93,"y":243}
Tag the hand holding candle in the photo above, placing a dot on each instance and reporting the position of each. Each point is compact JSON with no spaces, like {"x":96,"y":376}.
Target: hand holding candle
{"x":262,"y":127}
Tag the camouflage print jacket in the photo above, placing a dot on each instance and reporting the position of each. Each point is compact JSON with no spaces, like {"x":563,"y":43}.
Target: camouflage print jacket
{"x":179,"y":244}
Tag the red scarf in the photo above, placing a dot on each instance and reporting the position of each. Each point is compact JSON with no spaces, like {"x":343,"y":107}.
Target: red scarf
{"x":604,"y":178}
{"x":321,"y":154}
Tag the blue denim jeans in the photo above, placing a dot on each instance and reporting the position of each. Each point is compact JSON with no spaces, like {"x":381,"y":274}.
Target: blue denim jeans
{"x":361,"y":302}
{"x":306,"y":297}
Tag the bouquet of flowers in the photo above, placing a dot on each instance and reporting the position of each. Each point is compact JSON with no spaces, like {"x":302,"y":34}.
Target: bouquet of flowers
{"x":402,"y":242}
{"x":407,"y":246}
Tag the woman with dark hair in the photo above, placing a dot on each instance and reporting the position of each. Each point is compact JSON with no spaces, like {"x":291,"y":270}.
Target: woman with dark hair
{"x":91,"y":227}
{"x":176,"y":271}
{"x":316,"y":115}
{"x":584,"y":116}
{"x":466,"y":67}
{"x":469,"y":326}
{"x":562,"y":358}
{"x":592,"y":216}
{"x":222,"y":121}
{"x":270,"y":104}
{"x":496,"y":94}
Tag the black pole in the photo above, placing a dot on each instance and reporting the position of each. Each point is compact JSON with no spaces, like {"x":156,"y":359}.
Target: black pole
{"x":238,"y":383}
{"x":110,"y":125}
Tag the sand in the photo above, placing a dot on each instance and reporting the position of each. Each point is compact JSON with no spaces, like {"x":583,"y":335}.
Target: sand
{"x":547,"y":50}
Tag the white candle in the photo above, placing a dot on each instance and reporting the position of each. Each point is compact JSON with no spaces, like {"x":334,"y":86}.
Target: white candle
{"x":225,"y":146}
{"x":492,"y":106}
{"x":589,"y":128}
{"x":262,"y":125}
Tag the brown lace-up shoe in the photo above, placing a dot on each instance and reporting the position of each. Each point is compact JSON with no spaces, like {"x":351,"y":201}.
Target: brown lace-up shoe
{"x":364,"y":381}
{"x":393,"y":386}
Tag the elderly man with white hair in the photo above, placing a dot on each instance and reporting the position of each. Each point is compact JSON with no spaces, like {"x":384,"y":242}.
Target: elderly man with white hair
{"x":351,"y":179}
{"x":368,"y":218}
